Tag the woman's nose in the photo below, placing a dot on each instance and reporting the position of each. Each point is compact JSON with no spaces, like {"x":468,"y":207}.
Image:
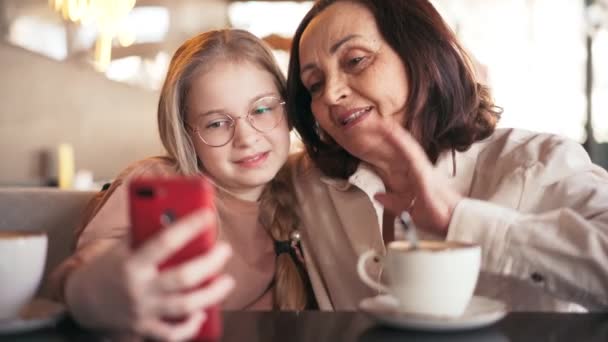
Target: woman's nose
{"x":336,"y":89}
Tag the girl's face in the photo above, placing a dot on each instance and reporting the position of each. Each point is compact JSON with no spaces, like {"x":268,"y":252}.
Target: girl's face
{"x":229,"y":91}
{"x":355,"y":79}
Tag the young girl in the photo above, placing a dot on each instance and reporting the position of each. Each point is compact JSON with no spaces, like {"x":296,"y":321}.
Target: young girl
{"x":220,"y":114}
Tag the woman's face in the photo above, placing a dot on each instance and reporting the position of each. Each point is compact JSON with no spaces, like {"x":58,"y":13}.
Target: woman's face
{"x":252,"y":158}
{"x":355,"y":79}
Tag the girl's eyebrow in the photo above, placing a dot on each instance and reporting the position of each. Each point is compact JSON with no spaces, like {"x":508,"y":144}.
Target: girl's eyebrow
{"x":223,"y":111}
{"x":212,"y":111}
{"x":270,"y":93}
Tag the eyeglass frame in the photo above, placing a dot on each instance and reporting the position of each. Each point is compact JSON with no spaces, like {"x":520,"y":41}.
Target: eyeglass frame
{"x":235,"y":119}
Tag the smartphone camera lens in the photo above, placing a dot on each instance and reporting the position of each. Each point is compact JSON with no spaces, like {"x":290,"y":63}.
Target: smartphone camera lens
{"x":145,"y":192}
{"x":167,"y":217}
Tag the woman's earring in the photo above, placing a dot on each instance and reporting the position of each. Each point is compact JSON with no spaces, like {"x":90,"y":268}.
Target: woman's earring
{"x":320,"y":132}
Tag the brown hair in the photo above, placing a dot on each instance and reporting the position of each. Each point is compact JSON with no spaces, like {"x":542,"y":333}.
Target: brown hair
{"x":277,"y":202}
{"x":447,"y":108}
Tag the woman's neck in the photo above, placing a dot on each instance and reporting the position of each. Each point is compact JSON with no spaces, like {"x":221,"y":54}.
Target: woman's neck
{"x":384,"y":174}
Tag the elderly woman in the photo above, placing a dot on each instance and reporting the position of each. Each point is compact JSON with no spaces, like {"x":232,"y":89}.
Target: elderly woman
{"x":392,"y":117}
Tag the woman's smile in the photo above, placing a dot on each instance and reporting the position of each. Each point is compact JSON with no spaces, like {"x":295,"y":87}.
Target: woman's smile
{"x":352,"y":117}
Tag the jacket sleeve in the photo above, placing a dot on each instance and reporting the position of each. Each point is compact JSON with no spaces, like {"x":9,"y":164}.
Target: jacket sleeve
{"x":557,"y":232}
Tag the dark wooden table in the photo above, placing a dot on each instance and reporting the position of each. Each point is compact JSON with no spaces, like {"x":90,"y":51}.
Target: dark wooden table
{"x":354,"y":326}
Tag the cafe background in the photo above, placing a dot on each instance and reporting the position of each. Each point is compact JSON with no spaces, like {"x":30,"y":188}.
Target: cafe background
{"x":80,"y":78}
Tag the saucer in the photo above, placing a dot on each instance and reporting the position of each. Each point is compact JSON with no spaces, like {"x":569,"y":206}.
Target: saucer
{"x":39,"y":313}
{"x":480,"y":312}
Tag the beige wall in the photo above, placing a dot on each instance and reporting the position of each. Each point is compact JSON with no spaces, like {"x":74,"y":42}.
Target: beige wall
{"x":46,"y":102}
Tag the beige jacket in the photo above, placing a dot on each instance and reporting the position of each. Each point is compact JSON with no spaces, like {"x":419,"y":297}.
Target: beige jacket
{"x":535,"y":203}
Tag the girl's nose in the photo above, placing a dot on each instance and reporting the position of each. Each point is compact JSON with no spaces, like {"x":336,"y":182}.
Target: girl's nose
{"x":244,"y":134}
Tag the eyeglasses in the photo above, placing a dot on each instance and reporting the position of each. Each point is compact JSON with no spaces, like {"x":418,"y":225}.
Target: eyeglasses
{"x":217,"y":129}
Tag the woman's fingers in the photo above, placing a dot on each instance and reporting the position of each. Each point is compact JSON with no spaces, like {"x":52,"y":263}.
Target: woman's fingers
{"x":181,"y":304}
{"x":170,"y":331}
{"x":410,"y":151}
{"x":169,"y":240}
{"x":195,"y":271}
{"x":411,"y":175}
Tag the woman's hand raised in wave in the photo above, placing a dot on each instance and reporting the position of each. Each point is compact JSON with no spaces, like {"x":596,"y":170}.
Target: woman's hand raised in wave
{"x":123,"y":290}
{"x":412,"y":182}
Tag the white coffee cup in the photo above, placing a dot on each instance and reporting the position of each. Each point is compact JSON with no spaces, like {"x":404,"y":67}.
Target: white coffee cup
{"x":22,"y":259}
{"x":438,"y":278}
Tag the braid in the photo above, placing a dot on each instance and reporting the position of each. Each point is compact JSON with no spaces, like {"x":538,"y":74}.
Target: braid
{"x":279,"y":218}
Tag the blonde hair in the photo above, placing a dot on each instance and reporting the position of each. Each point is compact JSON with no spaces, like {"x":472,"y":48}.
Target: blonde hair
{"x":277,"y":201}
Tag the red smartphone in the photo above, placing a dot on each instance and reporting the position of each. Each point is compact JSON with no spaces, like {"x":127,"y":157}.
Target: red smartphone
{"x":155,"y":203}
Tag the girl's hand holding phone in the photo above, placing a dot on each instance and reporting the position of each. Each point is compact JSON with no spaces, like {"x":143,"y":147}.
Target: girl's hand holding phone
{"x":127,"y":289}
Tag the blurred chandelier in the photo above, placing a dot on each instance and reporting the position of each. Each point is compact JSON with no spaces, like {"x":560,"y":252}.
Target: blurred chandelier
{"x":107,"y":15}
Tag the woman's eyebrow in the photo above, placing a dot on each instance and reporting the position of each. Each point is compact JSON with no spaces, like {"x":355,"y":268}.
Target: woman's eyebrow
{"x":332,"y":50}
{"x":336,"y":46}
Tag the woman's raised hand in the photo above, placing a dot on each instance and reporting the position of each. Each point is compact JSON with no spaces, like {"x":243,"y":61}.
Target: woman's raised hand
{"x":124,"y":290}
{"x":412,"y":182}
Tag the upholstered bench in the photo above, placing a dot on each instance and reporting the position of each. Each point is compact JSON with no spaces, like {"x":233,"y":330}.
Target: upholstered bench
{"x":57,"y":212}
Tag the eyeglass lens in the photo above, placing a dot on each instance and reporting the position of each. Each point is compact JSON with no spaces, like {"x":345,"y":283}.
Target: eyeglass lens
{"x":217,"y":129}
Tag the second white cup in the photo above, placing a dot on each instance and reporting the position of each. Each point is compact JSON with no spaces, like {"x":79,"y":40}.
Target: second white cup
{"x":22,"y":259}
